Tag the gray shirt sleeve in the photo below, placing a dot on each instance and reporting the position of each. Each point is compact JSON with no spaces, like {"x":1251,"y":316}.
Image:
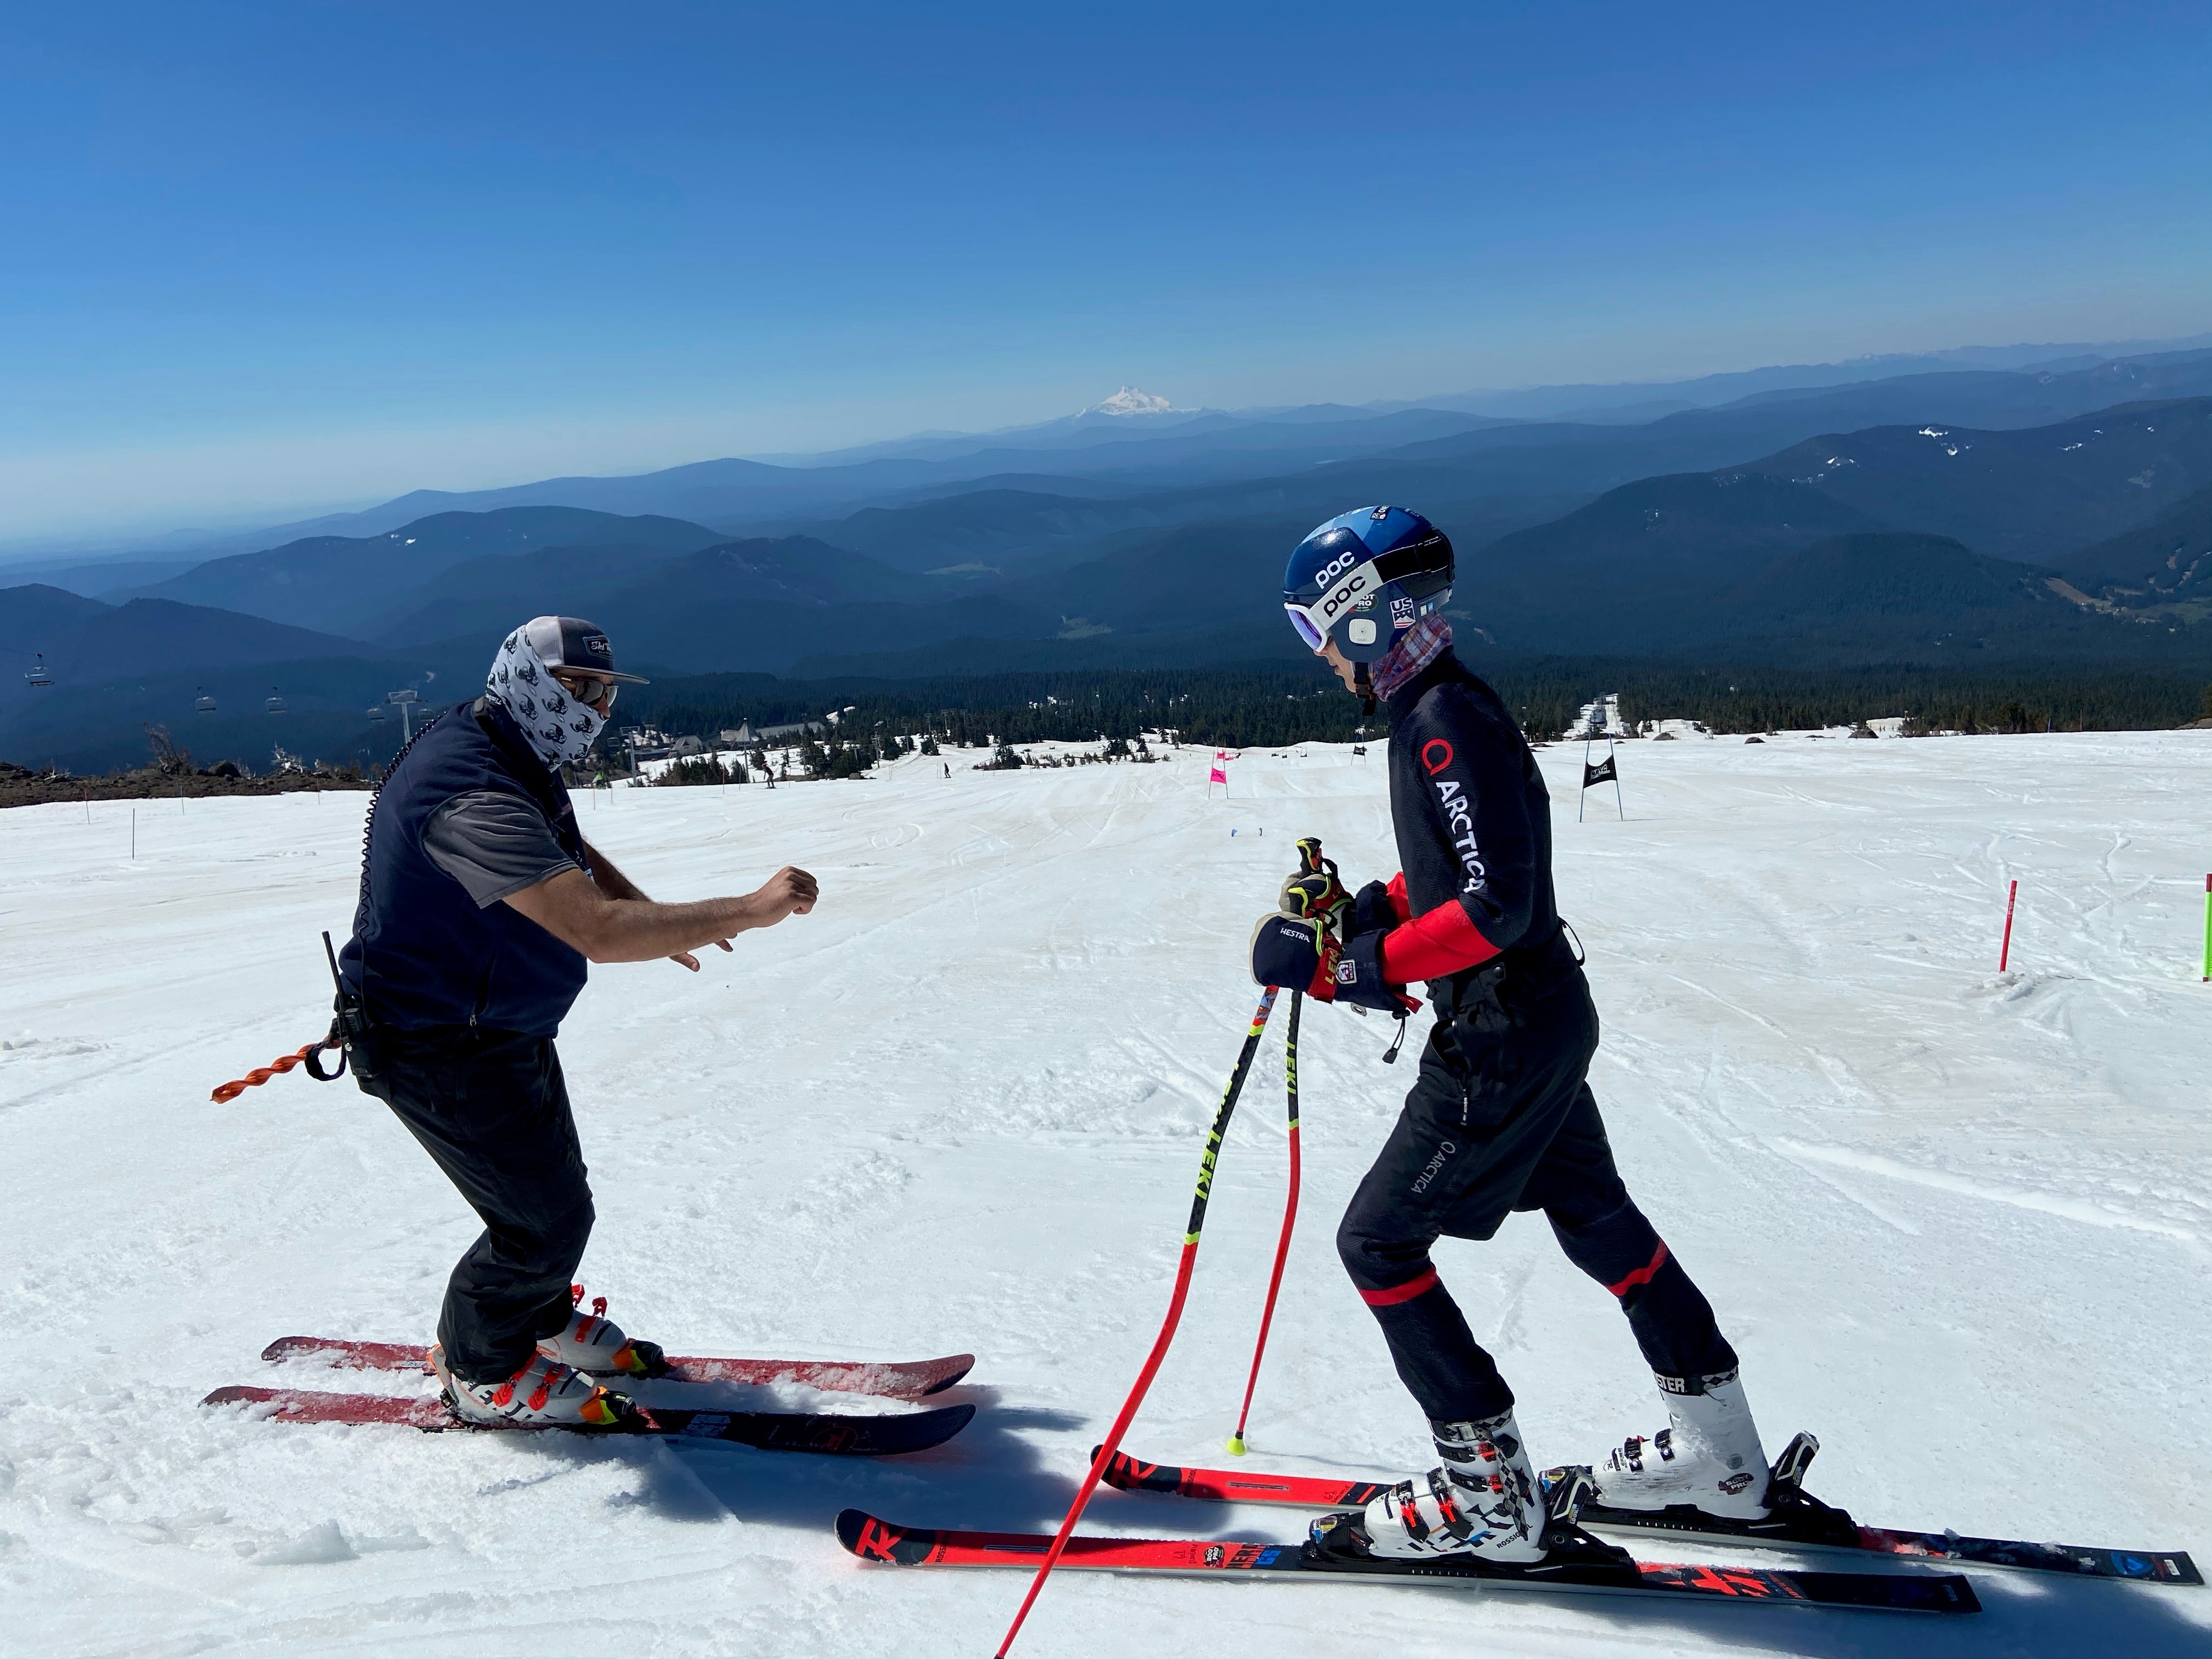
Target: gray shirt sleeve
{"x":493,"y":845}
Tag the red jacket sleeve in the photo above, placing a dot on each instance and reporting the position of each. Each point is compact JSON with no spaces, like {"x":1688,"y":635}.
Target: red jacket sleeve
{"x":1399,"y":902}
{"x":1441,"y":942}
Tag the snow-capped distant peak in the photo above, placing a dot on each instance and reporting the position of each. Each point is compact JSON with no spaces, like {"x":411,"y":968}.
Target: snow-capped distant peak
{"x":1130,"y":401}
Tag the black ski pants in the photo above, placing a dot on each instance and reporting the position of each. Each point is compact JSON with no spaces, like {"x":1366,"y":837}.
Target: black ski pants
{"x":491,"y":1107}
{"x":1501,"y":1118}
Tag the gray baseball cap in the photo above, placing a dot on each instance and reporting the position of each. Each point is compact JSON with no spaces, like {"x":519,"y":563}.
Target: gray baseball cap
{"x":572,"y":643}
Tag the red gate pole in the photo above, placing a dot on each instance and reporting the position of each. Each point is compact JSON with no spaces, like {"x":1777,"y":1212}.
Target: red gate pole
{"x":2004,"y":951}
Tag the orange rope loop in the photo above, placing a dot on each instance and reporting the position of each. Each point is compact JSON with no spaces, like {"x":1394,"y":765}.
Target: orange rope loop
{"x":261,"y":1074}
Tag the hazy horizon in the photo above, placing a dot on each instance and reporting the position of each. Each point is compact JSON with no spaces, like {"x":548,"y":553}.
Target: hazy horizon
{"x":290,"y":263}
{"x":151,"y":531}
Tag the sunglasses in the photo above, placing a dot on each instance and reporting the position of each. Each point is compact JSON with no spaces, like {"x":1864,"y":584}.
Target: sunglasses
{"x":589,"y":690}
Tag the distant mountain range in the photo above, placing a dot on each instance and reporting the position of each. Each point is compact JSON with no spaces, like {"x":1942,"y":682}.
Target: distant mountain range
{"x":343,"y":584}
{"x":739,"y":494}
{"x":1967,"y":516}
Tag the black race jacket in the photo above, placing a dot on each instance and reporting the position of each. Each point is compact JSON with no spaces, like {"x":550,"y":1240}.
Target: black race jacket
{"x":1473,"y":825}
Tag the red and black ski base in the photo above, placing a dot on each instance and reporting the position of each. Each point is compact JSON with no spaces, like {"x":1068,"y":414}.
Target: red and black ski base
{"x":1608,"y":1573}
{"x":1799,"y":1520}
{"x":829,"y":1432}
{"x":895,"y":1379}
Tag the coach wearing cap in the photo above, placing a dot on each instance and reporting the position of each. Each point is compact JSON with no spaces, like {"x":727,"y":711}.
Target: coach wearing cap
{"x":481,"y":903}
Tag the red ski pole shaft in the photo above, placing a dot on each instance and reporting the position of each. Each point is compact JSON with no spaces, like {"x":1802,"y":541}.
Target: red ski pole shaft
{"x":1289,"y":1221}
{"x":1184,"y":1266}
{"x":2004,"y":951}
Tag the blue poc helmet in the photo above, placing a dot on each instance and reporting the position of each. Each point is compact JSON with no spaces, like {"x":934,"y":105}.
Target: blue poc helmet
{"x":1366,"y":577}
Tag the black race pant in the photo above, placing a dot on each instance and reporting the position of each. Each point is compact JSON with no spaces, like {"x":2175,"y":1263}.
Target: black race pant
{"x":491,"y":1107}
{"x":1499,"y":1120}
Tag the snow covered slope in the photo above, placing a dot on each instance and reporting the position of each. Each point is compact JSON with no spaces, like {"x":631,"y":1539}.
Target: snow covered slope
{"x":1956,"y":1223}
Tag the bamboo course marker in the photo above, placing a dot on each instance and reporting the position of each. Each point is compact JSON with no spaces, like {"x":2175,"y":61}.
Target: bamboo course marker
{"x":2004,"y":951}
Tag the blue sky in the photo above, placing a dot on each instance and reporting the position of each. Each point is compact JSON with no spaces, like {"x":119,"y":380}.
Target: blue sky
{"x":263,"y":258}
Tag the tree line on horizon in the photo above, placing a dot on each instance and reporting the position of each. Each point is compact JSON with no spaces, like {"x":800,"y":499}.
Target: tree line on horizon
{"x":1261,"y":706}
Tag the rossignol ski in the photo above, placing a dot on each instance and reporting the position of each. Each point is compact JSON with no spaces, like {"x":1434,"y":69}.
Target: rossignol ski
{"x":875,"y":1539}
{"x":904,"y":1379}
{"x":834,"y":1433}
{"x":1799,"y":1520}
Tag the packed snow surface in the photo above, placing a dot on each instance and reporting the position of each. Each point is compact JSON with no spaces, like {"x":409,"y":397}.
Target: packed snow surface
{"x":1955,"y":1221}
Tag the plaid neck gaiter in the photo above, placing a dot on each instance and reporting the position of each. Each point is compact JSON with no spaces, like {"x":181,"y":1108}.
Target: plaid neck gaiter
{"x":1425,"y":641}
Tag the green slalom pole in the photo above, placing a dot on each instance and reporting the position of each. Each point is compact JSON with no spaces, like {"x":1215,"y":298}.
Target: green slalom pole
{"x":2208,"y":929}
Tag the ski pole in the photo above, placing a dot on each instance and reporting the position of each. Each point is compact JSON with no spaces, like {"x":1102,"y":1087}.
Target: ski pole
{"x":1289,"y":1220}
{"x":1104,"y":1455}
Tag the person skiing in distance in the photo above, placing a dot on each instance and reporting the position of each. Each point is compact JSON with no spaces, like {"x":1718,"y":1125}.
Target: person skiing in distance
{"x":480,"y":904}
{"x":1501,"y":1117}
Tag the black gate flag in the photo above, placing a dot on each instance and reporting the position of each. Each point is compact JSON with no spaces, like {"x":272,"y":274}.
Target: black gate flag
{"x":1603,"y":772}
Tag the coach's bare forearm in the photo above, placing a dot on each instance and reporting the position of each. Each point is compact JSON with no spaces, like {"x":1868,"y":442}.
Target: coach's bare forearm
{"x":607,"y":930}
{"x":639,"y":930}
{"x":610,"y":879}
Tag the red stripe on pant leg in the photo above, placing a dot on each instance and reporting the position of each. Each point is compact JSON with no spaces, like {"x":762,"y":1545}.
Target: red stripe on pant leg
{"x":1405,"y":1293}
{"x":1645,"y":1274}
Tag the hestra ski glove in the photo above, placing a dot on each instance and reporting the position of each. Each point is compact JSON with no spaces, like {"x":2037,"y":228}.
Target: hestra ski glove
{"x":1315,"y":888}
{"x":1301,"y":954}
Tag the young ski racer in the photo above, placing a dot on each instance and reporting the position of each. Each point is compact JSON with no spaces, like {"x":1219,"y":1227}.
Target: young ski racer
{"x":481,"y":904}
{"x":1501,"y":1117}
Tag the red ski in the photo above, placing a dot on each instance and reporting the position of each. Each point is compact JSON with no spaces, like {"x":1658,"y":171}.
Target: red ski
{"x":831,"y":1432}
{"x":909,"y":1379}
{"x":1304,"y":1491}
{"x":1589,"y":1569}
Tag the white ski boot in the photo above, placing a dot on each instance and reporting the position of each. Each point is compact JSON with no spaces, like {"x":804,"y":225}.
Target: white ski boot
{"x":1483,"y":1501}
{"x":593,"y":1343}
{"x":544,"y":1395}
{"x":1708,"y":1457}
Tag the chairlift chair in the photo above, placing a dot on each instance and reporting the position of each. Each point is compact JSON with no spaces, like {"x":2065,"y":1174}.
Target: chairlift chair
{"x":204,"y":703}
{"x":36,"y":673}
{"x":274,"y":704}
{"x":376,"y":713}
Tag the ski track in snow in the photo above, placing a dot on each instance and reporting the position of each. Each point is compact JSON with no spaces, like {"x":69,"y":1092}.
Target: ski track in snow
{"x":1954,"y":1221}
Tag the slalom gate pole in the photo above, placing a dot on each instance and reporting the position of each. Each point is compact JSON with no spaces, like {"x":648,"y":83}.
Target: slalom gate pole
{"x":1183,"y":1267}
{"x":1289,"y":1220}
{"x":2004,"y":951}
{"x":2208,"y":929}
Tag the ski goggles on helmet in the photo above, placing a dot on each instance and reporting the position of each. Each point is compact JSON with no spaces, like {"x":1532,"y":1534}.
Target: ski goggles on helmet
{"x":1301,"y":619}
{"x":1340,"y":597}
